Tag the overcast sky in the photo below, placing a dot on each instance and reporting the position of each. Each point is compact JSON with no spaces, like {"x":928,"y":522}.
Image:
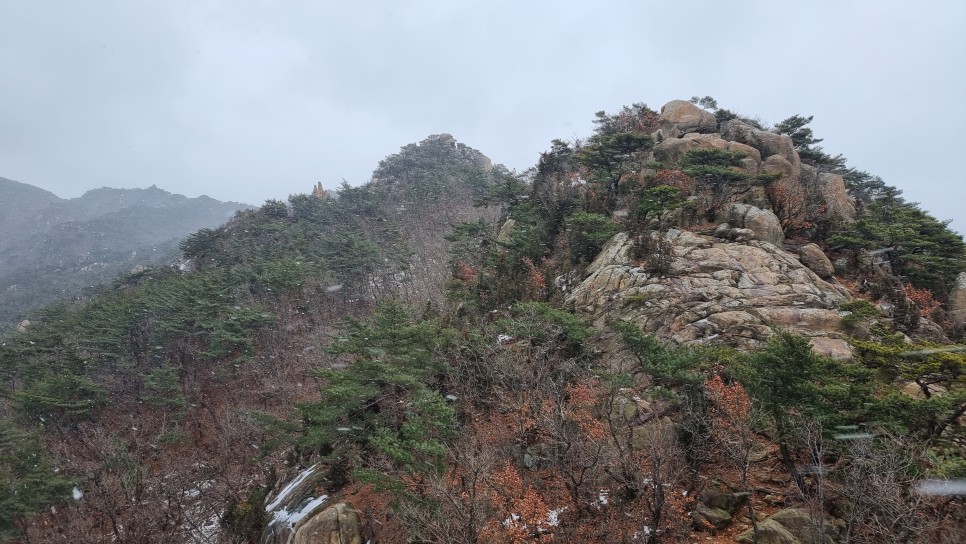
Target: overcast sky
{"x":250,"y":100}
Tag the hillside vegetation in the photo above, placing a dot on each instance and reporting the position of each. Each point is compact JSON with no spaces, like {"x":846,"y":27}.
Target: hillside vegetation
{"x":58,"y":249}
{"x":435,"y":356}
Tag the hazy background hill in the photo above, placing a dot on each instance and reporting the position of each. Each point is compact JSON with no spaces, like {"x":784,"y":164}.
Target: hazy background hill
{"x":53,"y":248}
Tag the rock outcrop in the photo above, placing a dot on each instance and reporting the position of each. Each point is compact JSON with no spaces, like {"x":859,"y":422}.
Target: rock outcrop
{"x":793,"y":526}
{"x":300,"y":514}
{"x":778,"y":181}
{"x":337,"y":524}
{"x":815,"y":259}
{"x":763,"y":223}
{"x":957,"y":301}
{"x":712,"y":292}
{"x":830,"y":193}
{"x":672,"y":149}
{"x":716,"y":506}
{"x":680,"y":117}
{"x":767,"y":143}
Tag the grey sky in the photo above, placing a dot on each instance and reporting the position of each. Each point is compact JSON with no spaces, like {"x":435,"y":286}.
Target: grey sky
{"x":249,"y":100}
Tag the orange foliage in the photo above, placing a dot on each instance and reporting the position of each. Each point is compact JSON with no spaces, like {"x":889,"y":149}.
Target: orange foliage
{"x":627,"y":121}
{"x":581,"y":401}
{"x":923,"y":298}
{"x":731,"y":399}
{"x":522,"y":514}
{"x":536,"y":282}
{"x":466,"y":273}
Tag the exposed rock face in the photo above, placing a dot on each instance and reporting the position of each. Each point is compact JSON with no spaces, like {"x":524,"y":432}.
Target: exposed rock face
{"x":957,"y":300}
{"x":815,"y":259}
{"x":833,"y":348}
{"x":505,"y":231}
{"x":680,"y":117}
{"x":715,"y":517}
{"x":672,"y":149}
{"x":830,"y":192}
{"x":798,"y":193}
{"x":296,"y":503}
{"x":337,"y":524}
{"x":716,"y":506}
{"x":319,"y":191}
{"x":714,"y":292}
{"x":792,"y":526}
{"x":763,"y":223}
{"x":769,"y":532}
{"x":789,"y":176}
{"x":768,"y":143}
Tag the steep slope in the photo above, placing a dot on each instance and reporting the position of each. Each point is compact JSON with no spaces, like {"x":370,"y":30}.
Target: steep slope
{"x":53,"y":248}
{"x":163,"y":372}
{"x":274,"y":388}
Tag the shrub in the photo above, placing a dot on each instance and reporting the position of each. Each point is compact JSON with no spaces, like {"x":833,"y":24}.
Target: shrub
{"x":587,"y":233}
{"x":657,"y":200}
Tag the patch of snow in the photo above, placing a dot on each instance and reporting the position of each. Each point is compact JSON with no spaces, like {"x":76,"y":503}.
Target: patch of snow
{"x":207,"y":531}
{"x":511,"y":520}
{"x":553,"y":518}
{"x":284,"y":493}
{"x":602,"y":497}
{"x":292,"y":518}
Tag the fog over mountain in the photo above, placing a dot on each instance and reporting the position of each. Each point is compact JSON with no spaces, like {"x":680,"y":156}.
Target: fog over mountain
{"x":248,"y":101}
{"x":54,"y":248}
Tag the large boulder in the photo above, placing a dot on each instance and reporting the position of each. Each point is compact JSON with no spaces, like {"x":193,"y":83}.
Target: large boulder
{"x":337,"y":524}
{"x":298,"y":500}
{"x":815,"y":259}
{"x":769,"y":532}
{"x":786,"y":194}
{"x":829,"y":191}
{"x":708,"y":291}
{"x":672,"y":149}
{"x":680,"y":117}
{"x":793,"y":526}
{"x":718,"y":518}
{"x":763,"y":223}
{"x":716,"y":506}
{"x":768,"y":143}
{"x":787,"y":175}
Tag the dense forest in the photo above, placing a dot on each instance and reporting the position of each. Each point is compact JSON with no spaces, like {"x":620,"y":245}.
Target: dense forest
{"x":418,"y":351}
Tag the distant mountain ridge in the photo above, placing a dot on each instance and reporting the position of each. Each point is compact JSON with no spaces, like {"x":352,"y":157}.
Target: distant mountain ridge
{"x":52,"y":248}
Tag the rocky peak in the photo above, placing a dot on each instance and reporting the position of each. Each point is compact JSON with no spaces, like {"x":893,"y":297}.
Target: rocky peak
{"x":319,"y":192}
{"x":798,"y":194}
{"x":679,"y":117}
